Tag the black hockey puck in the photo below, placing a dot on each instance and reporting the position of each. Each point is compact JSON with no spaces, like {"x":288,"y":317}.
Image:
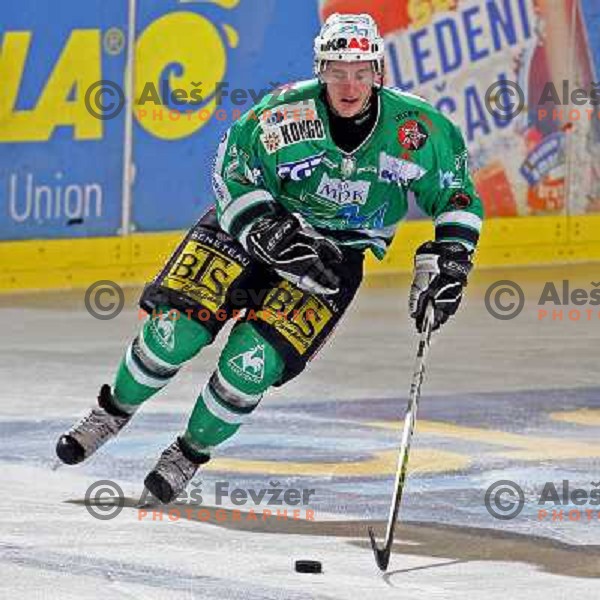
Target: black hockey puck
{"x":309,"y":566}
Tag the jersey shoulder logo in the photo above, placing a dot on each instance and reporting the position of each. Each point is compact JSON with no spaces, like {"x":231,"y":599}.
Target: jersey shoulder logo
{"x":398,"y":170}
{"x":300,"y":169}
{"x":461,"y":160}
{"x":449,"y":180}
{"x":291,"y":124}
{"x":271,"y":141}
{"x":412,"y":135}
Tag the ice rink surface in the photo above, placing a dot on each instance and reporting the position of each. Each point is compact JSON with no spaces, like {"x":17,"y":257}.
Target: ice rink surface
{"x":515,"y":400}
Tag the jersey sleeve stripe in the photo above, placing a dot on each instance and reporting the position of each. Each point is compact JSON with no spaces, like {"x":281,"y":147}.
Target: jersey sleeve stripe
{"x":460,"y":217}
{"x":452,"y":231}
{"x":243,"y":220}
{"x":241,"y":204}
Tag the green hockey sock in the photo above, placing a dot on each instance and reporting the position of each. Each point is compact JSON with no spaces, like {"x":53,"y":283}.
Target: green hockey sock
{"x":248,"y":366}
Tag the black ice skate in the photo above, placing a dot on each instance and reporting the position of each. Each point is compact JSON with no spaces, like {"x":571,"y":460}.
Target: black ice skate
{"x":174,"y":470}
{"x":100,"y":425}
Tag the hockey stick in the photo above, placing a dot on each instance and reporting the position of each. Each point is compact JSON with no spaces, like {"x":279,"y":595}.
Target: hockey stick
{"x":382,"y":555}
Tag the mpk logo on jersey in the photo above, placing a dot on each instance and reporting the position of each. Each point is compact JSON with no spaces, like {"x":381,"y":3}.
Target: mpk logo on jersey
{"x":341,"y":191}
{"x":398,"y":170}
{"x":412,"y":135}
{"x":300,"y":169}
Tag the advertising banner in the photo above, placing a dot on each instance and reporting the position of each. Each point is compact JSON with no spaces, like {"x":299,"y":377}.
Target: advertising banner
{"x":60,"y":165}
{"x":199,"y":66}
{"x":518,"y":76}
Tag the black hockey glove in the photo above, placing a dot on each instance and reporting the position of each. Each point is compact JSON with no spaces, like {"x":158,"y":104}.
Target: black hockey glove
{"x":441,"y":271}
{"x":296,"y":252}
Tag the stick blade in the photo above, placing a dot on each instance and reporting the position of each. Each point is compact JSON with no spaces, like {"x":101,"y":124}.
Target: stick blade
{"x":382,"y":557}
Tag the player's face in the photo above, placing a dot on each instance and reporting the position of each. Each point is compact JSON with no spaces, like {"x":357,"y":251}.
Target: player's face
{"x":349,"y":86}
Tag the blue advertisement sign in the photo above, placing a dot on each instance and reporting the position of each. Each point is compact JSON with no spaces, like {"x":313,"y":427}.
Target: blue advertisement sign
{"x":197,"y":67}
{"x":60,"y":166}
{"x":227,"y":57}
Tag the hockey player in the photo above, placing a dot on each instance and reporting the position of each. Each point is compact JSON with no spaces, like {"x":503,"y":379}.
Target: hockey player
{"x":305,"y":183}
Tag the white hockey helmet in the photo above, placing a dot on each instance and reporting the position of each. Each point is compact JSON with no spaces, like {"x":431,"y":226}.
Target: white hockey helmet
{"x":349,"y":38}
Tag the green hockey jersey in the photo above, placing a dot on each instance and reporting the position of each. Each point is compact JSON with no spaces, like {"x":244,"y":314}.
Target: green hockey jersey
{"x":281,"y":151}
